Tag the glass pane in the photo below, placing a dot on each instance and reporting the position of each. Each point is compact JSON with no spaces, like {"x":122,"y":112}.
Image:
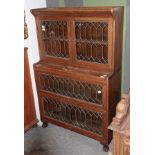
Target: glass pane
{"x":92,"y":41}
{"x":55,"y":38}
{"x":74,"y":115}
{"x":72,"y":88}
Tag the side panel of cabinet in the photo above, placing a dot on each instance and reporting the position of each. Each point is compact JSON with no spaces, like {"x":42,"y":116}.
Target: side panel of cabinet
{"x":114,"y":97}
{"x":114,"y":90}
{"x":118,"y":40}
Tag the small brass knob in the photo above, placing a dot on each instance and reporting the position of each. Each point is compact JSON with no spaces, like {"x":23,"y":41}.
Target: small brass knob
{"x":99,"y":91}
{"x":43,"y":28}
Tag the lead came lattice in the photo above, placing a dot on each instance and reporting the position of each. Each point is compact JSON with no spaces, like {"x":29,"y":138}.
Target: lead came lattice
{"x":92,"y":41}
{"x":55,"y":38}
{"x":85,"y":119}
{"x":72,"y":88}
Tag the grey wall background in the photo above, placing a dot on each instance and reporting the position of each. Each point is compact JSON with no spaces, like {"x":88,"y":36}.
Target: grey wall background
{"x":68,"y":3}
{"x":52,"y":3}
{"x":73,"y":3}
{"x":127,"y":51}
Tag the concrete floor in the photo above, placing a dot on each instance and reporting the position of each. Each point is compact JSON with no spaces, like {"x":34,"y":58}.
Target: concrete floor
{"x":54,"y":140}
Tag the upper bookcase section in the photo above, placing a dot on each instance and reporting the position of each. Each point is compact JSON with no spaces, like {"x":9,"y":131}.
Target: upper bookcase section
{"x":86,"y":37}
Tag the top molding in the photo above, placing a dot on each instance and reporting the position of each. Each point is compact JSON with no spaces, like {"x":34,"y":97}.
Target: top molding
{"x":109,"y":10}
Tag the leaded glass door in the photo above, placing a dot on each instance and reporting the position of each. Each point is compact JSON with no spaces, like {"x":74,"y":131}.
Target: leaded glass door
{"x":73,"y":115}
{"x":92,"y":42}
{"x":77,"y":89}
{"x":54,"y":33}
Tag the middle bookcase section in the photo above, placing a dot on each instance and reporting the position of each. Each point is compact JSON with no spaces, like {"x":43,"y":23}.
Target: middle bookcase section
{"x":71,"y":88}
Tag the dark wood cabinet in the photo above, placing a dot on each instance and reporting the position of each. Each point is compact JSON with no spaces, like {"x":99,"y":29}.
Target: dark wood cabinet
{"x":29,"y":108}
{"x":78,"y":76}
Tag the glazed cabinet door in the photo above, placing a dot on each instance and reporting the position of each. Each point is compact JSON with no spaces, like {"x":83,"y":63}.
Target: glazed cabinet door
{"x":73,"y":115}
{"x":54,"y":36}
{"x":88,"y":92}
{"x":93,"y":42}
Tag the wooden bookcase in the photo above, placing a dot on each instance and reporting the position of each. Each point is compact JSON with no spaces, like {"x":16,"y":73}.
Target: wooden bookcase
{"x":78,"y":76}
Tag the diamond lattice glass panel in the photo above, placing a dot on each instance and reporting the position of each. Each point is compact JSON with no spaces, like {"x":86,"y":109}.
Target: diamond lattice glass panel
{"x":78,"y":117}
{"x":72,"y":88}
{"x":55,"y":38}
{"x":92,"y":41}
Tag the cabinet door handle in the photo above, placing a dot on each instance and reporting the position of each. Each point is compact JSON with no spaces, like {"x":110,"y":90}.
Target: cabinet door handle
{"x":43,"y":28}
{"x":99,"y":91}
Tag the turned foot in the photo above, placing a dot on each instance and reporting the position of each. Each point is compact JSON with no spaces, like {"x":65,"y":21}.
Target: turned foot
{"x":105,"y":148}
{"x":45,"y":124}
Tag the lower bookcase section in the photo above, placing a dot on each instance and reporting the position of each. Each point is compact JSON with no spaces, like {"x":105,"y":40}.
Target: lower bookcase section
{"x":83,"y":102}
{"x":73,"y":115}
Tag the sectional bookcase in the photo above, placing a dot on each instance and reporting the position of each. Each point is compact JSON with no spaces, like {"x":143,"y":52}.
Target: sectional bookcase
{"x":78,"y":77}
